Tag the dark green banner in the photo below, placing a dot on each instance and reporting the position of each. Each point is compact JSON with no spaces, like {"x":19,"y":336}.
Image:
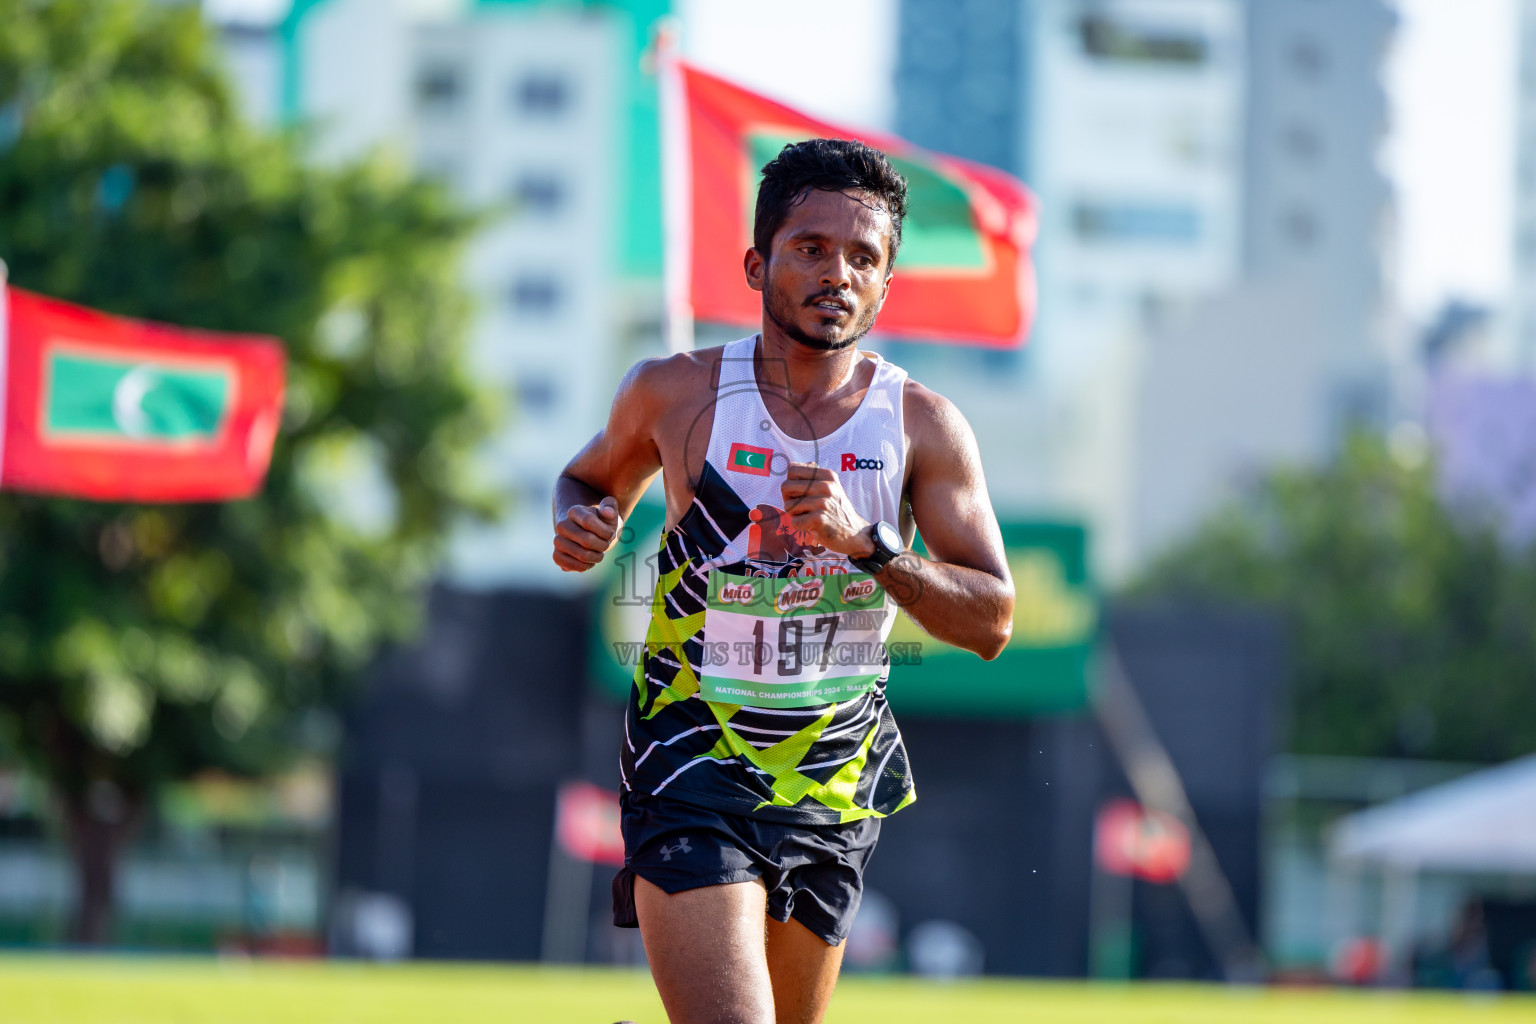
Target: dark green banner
{"x":1043,"y":670}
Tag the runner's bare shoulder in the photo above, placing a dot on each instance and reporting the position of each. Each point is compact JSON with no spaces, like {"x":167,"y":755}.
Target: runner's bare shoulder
{"x":934,"y":425}
{"x":665,"y":380}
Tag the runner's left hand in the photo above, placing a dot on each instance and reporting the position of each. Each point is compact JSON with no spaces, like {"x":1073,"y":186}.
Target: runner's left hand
{"x":818,"y":506}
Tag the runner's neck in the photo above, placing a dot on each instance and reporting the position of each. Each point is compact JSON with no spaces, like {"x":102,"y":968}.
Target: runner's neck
{"x":812,"y":375}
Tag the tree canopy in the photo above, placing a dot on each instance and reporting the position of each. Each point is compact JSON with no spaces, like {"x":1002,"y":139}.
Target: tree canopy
{"x":1414,"y":623}
{"x":145,"y":643}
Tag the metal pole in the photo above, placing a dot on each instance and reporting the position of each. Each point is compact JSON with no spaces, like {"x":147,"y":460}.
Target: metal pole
{"x":1157,"y":784}
{"x":676,"y":192}
{"x":567,"y":903}
{"x":1110,"y":906}
{"x":1398,"y":913}
{"x":5,"y":354}
{"x":1341,"y":915}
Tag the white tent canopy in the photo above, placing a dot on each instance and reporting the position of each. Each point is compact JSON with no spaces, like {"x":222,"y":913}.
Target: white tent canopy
{"x":1481,"y":822}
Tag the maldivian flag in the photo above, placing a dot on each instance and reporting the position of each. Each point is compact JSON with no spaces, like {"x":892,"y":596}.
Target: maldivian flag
{"x":963,"y":271}
{"x":745,"y":458}
{"x":109,"y":408}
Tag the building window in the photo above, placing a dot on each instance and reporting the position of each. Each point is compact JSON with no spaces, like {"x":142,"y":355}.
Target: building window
{"x":1154,"y":309}
{"x":540,"y":194}
{"x":1307,"y":58}
{"x":542,"y":94}
{"x":537,"y":395}
{"x":438,"y":86}
{"x":536,"y":490}
{"x":1301,"y":227}
{"x":1301,"y":142}
{"x":535,"y":295}
{"x":1105,"y":38}
{"x":1528,"y":245}
{"x":1136,"y":222}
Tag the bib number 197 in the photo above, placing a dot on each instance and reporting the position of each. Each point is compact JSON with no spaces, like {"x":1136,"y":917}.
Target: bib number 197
{"x":793,"y":642}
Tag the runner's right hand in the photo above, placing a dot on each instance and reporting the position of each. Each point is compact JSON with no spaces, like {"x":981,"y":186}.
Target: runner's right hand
{"x":585,"y":534}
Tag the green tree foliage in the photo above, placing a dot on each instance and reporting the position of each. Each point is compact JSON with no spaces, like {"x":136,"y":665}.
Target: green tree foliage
{"x":1414,"y":625}
{"x":145,"y":643}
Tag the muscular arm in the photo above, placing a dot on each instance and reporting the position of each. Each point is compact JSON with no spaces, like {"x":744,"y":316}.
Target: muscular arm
{"x":600,"y":486}
{"x":963,"y":594}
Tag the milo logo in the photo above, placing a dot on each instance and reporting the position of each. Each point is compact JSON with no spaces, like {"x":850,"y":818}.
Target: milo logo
{"x":800,"y":595}
{"x":738,"y":593}
{"x":858,"y":590}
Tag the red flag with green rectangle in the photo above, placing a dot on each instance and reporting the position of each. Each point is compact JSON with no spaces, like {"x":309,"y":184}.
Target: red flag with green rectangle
{"x":746,"y":458}
{"x":114,"y":409}
{"x":964,"y":269}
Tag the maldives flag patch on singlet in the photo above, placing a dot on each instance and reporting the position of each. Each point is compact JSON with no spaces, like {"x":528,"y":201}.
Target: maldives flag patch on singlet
{"x":744,"y":458}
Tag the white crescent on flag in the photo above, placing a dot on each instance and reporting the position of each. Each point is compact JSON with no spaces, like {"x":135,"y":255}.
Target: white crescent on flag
{"x":128,"y":400}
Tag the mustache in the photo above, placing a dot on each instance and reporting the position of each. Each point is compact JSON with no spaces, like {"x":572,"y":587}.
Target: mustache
{"x":829,"y":294}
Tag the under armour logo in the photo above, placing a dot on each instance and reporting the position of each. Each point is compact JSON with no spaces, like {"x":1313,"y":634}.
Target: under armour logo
{"x":681,"y":847}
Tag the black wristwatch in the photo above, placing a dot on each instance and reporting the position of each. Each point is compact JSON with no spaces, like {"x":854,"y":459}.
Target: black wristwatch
{"x":887,"y":541}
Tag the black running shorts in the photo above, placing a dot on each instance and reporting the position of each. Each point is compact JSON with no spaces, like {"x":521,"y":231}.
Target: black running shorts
{"x":813,"y":873}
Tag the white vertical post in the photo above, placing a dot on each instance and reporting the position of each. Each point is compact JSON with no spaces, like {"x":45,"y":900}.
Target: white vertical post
{"x":1341,"y":915}
{"x":1399,"y":912}
{"x":567,"y":900}
{"x":676,"y":191}
{"x":1111,"y":905}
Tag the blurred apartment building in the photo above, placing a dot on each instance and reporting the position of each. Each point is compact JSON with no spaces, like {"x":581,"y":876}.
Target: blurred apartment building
{"x":1523,"y":264}
{"x":532,"y":113}
{"x":1210,"y":256}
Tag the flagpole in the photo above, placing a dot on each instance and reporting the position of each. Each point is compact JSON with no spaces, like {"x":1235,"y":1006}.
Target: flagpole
{"x":5,"y":355}
{"x":676,"y":191}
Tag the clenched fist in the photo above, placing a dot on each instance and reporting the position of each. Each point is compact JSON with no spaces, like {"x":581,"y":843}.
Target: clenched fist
{"x":818,"y":506}
{"x":585,"y":535}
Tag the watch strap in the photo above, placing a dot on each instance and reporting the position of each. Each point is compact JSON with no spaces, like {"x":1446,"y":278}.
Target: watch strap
{"x":879,"y":559}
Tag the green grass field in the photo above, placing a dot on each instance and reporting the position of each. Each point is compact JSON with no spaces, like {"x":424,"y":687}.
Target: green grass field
{"x":59,"y":990}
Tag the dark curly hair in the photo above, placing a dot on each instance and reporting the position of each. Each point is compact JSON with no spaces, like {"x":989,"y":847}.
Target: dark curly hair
{"x":830,"y":165}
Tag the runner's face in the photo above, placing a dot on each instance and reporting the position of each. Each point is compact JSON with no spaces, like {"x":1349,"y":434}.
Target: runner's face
{"x":828,"y":273}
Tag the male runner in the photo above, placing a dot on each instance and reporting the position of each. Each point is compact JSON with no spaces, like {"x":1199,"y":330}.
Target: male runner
{"x":759,"y":752}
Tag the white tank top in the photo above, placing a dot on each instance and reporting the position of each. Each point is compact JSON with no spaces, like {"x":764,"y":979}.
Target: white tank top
{"x":761,"y":688}
{"x":752,"y":453}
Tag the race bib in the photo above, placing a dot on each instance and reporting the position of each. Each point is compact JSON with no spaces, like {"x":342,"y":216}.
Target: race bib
{"x":793,"y":642}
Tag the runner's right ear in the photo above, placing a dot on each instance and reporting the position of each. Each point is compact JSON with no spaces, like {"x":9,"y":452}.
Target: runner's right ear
{"x":755,"y":266}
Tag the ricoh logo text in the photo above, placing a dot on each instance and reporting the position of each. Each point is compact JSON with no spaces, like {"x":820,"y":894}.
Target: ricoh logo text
{"x":852,"y":462}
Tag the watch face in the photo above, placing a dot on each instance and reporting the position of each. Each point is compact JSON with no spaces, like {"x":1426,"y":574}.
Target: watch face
{"x":888,"y":537}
